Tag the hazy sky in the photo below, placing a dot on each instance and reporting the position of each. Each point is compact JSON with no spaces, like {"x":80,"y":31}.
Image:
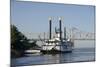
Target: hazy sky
{"x":33,"y":17}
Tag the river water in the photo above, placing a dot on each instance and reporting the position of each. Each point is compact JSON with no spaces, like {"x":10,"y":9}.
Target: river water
{"x":83,"y":53}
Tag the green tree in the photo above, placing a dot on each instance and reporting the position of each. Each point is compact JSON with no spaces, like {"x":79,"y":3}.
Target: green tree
{"x":19,"y":42}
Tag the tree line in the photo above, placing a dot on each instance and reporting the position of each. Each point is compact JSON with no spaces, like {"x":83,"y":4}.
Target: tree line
{"x":19,"y":42}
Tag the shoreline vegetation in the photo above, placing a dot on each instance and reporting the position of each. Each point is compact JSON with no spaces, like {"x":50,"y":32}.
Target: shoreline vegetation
{"x":20,"y":43}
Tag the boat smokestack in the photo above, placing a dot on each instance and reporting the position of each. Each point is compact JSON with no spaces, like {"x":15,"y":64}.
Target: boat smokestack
{"x":60,"y":27}
{"x":50,"y":28}
{"x":64,"y":32}
{"x":55,"y":29}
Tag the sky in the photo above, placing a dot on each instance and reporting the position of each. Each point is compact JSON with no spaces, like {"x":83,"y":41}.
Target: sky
{"x":33,"y":16}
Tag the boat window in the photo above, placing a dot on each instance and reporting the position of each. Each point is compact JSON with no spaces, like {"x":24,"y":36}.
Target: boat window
{"x":56,"y":41}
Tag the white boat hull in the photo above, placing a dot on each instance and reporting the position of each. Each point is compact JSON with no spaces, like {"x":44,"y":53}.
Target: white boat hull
{"x":65,"y":47}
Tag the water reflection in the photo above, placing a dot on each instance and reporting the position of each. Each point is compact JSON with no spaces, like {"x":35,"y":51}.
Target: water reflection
{"x":77,"y":55}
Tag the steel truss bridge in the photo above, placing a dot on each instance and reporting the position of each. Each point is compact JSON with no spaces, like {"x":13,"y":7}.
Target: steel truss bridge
{"x":72,"y":33}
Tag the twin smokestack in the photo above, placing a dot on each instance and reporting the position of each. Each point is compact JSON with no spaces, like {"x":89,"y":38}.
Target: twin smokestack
{"x":50,"y":28}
